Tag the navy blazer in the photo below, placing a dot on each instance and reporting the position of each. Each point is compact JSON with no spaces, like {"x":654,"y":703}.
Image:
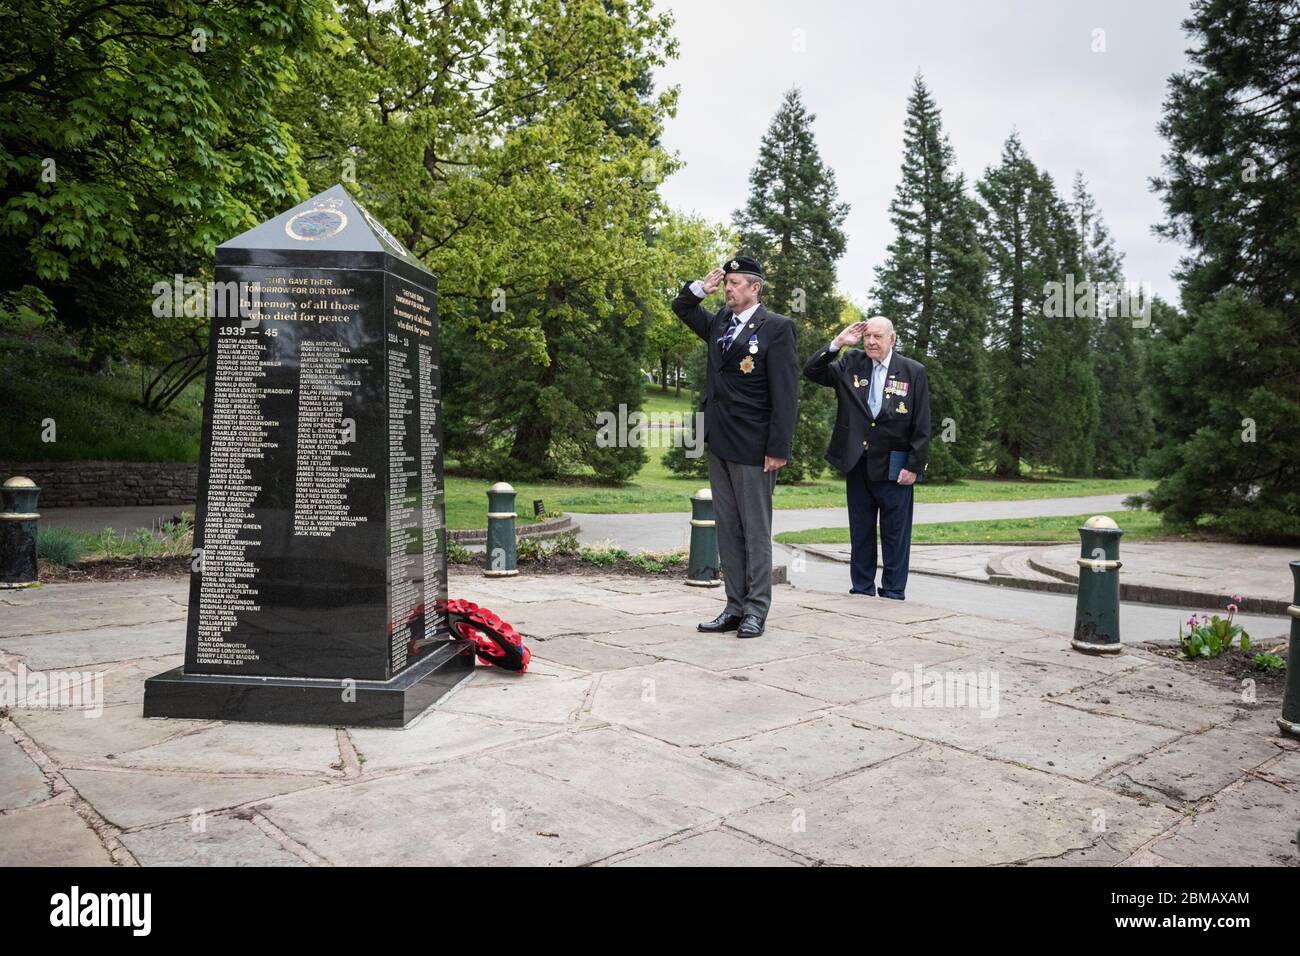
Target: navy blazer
{"x":904,"y":420}
{"x":751,"y":399}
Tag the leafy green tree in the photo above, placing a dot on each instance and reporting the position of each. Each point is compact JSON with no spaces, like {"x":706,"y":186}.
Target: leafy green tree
{"x":1226,"y":374}
{"x":793,"y":224}
{"x":932,"y":285}
{"x":689,"y":247}
{"x":513,"y":146}
{"x":135,"y":137}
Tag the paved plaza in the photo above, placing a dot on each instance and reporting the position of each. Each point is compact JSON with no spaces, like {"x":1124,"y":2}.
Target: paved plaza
{"x":856,"y":731}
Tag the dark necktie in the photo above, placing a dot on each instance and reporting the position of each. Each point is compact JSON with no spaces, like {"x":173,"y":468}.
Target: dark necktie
{"x":725,"y":341}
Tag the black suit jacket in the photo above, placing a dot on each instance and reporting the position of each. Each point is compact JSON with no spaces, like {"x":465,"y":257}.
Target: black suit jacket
{"x":750,"y":401}
{"x":902,"y":425}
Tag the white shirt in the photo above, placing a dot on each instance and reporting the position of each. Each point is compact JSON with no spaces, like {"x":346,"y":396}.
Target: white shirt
{"x":697,"y":290}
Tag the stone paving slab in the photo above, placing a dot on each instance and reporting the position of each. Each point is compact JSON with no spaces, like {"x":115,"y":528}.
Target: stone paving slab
{"x":1022,"y":730}
{"x":1249,"y":824}
{"x":687,"y":706}
{"x":808,"y":754}
{"x":240,"y":748}
{"x":70,"y":738}
{"x":846,"y":627}
{"x":436,"y":736}
{"x":635,"y":771}
{"x":479,"y":811}
{"x":941,"y":807}
{"x":716,"y":652}
{"x":904,"y":653}
{"x":217,"y":841}
{"x":706,"y":849}
{"x":1163,"y":697}
{"x":1195,"y":767}
{"x":22,"y":783}
{"x":133,"y":799}
{"x":529,"y":698}
{"x":825,"y":677}
{"x":635,"y":740}
{"x":100,"y":645}
{"x":49,"y":836}
{"x":588,"y":655}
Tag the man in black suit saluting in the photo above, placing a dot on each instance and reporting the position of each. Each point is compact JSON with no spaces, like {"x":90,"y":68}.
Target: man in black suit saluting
{"x":750,"y":402}
{"x":881,"y":444}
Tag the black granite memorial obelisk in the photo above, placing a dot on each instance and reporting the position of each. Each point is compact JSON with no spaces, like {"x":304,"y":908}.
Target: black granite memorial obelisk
{"x":319,"y":576}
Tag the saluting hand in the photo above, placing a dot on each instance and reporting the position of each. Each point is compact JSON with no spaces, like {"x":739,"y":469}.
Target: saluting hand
{"x":712,"y":281}
{"x":851,"y":336}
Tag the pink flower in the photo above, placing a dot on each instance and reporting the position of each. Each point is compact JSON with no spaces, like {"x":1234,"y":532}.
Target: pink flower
{"x":1237,"y":598}
{"x":1232,"y":609}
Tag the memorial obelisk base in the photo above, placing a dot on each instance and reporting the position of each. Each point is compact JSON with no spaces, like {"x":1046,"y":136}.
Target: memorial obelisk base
{"x":362,"y":703}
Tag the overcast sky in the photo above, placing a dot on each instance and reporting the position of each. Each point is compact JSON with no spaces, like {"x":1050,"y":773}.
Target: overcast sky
{"x":991,"y":65}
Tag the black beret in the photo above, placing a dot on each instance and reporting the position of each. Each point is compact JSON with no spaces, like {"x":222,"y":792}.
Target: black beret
{"x":744,"y":264}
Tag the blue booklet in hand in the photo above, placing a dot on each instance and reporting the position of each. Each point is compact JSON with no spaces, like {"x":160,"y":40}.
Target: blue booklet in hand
{"x":897,"y":462}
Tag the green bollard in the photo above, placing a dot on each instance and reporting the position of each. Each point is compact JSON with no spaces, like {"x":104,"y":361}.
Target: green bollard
{"x":1096,"y":615}
{"x":702,"y":568}
{"x":18,"y":533}
{"x":1289,"y":722}
{"x":500,"y":557}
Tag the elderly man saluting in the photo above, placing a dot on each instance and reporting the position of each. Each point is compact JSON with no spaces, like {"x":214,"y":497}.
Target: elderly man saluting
{"x":751,"y":399}
{"x":881,"y":443}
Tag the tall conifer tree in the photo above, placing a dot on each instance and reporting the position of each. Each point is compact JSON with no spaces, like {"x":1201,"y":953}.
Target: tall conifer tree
{"x":932,"y":286}
{"x":1044,"y":390}
{"x":1227,"y":374}
{"x":793,"y":223}
{"x":1125,"y":438}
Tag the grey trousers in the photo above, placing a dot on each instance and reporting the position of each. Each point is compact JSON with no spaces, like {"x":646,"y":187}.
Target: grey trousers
{"x":742,"y":507}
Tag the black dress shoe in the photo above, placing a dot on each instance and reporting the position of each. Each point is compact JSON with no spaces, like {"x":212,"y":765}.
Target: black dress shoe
{"x":750,"y":626}
{"x":723,"y":622}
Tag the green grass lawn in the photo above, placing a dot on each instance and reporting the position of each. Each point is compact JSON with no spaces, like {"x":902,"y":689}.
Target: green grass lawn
{"x":1137,"y":526}
{"x":96,"y":417}
{"x":660,"y":401}
{"x":658,"y":490}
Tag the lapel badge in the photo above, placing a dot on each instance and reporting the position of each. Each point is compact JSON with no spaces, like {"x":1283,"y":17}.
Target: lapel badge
{"x":855,"y":380}
{"x":747,"y":364}
{"x":902,"y":409}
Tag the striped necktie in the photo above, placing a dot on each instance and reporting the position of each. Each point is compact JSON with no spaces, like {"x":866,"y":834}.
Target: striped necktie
{"x":725,"y":341}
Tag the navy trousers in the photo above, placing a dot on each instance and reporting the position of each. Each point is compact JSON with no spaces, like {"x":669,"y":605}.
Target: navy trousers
{"x":892,"y":502}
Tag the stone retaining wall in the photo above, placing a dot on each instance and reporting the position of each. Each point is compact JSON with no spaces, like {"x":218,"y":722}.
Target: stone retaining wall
{"x":102,"y":484}
{"x":545,"y":529}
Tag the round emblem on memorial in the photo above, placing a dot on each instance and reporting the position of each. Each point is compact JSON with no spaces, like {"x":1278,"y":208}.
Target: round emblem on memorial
{"x":316,"y":224}
{"x":383,"y":233}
